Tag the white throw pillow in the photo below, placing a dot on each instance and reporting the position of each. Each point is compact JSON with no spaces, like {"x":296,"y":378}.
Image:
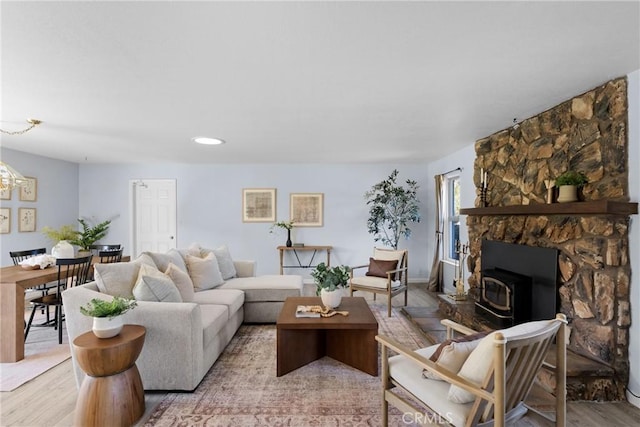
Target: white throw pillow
{"x":162,"y":260}
{"x":116,"y":279}
{"x":153,"y":285}
{"x":452,"y":354}
{"x":477,"y":365}
{"x":225,"y":262}
{"x":182,"y":281}
{"x":204,"y":272}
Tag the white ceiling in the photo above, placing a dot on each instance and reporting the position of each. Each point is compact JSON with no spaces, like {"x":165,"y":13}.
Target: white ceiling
{"x":295,"y":81}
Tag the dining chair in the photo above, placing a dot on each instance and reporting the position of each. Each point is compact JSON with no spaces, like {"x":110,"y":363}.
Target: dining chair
{"x":110,"y":255}
{"x":71,"y":272}
{"x":95,"y":249}
{"x":18,"y":256}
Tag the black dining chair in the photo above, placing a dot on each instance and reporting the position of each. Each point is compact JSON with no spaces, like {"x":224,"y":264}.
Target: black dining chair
{"x":18,"y":256}
{"x":109,"y":256}
{"x":95,"y":249}
{"x":71,"y":272}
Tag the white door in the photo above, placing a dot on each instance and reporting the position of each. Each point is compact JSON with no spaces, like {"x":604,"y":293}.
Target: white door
{"x":154,"y":215}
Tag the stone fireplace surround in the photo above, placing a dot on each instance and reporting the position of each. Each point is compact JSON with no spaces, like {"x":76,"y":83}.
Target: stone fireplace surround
{"x":587,"y":133}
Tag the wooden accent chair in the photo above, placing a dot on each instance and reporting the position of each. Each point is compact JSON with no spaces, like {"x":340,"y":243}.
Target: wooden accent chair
{"x":492,"y":383}
{"x":381,"y":280}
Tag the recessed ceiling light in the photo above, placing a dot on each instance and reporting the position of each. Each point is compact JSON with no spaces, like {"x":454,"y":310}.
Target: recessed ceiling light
{"x":207,"y":141}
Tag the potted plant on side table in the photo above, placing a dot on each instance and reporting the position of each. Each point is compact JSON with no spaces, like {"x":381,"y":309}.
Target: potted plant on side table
{"x":107,"y":315}
{"x":287,"y":225}
{"x":329,"y":283}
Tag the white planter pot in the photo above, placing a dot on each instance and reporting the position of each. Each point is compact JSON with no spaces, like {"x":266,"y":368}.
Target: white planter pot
{"x":63,"y":249}
{"x":567,"y":193}
{"x":107,"y":327}
{"x":331,"y":299}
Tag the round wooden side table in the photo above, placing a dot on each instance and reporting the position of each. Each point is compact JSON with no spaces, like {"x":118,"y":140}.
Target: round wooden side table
{"x":112,"y":393}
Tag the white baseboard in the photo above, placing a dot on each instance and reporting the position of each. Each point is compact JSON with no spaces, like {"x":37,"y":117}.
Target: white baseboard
{"x":635,"y":401}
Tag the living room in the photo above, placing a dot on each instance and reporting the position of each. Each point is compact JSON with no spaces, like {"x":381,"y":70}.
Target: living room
{"x":209,"y":191}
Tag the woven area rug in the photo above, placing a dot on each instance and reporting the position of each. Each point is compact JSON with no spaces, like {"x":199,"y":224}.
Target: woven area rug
{"x":41,"y":353}
{"x":242,"y":389}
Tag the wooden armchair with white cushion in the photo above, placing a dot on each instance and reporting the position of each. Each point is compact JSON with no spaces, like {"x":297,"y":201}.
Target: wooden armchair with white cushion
{"x":387,"y":274}
{"x":481,"y":381}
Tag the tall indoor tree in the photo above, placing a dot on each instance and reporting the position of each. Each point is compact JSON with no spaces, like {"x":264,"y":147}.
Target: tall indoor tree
{"x":392,"y":207}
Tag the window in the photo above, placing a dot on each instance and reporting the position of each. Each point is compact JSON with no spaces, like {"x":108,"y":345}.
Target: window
{"x":451,"y":210}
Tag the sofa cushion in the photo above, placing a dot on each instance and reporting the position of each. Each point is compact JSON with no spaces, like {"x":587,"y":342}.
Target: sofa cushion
{"x":117,"y":279}
{"x":451,"y":354}
{"x":182,"y":281}
{"x":477,"y":365}
{"x":153,"y":285}
{"x":232,"y":298}
{"x":162,"y":260}
{"x":225,"y":262}
{"x":266,"y":288}
{"x":204,"y":272}
{"x":374,"y":282}
{"x":379,"y":267}
{"x":214,"y":318}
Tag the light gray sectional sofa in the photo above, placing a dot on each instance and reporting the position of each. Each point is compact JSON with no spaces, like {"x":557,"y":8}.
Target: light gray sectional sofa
{"x":186,"y":329}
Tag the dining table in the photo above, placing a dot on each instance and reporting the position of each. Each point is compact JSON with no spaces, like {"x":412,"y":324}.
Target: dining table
{"x":14,"y":280}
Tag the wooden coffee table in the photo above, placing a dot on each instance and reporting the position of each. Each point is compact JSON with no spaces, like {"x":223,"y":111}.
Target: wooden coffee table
{"x":350,"y":339}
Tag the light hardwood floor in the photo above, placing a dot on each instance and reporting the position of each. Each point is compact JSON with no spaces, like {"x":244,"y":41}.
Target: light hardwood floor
{"x":49,"y":400}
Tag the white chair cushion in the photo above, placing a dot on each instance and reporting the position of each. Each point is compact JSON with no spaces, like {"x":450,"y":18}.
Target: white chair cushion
{"x":451,"y":354}
{"x":477,"y":365}
{"x":433,"y":393}
{"x":374,"y":282}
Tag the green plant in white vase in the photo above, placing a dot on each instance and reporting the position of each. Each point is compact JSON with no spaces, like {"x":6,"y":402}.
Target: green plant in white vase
{"x":329,"y":282}
{"x":61,"y":238}
{"x":107,"y":315}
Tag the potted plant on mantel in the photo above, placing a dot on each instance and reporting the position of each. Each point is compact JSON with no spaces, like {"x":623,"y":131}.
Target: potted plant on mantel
{"x":329,"y":283}
{"x":107,"y":315}
{"x":568,"y":184}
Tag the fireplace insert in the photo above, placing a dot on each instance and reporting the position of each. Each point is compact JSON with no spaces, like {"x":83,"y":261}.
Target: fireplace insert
{"x":505,"y":297}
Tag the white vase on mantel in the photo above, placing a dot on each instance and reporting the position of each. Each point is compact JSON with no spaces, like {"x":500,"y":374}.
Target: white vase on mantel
{"x":63,"y":249}
{"x":331,"y":299}
{"x":107,"y":327}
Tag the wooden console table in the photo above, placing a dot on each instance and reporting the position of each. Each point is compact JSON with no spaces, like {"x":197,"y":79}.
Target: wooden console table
{"x":112,"y":393}
{"x":296,"y":249}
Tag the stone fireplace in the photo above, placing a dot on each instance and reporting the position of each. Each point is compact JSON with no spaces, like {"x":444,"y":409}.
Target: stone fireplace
{"x":588,"y":134}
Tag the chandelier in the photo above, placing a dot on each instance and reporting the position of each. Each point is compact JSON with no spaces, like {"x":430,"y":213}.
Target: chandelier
{"x":9,"y":177}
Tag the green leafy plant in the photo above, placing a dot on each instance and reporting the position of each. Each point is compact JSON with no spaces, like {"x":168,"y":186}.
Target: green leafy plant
{"x":330,"y":278}
{"x":66,"y":232}
{"x":287,"y":225}
{"x":572,"y":178}
{"x":391,"y":208}
{"x":89,"y":235}
{"x":100,"y":308}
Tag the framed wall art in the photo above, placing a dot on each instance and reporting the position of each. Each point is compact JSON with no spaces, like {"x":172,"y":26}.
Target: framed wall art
{"x":306,"y":209}
{"x":26,"y":219}
{"x":5,"y":194}
{"x":5,"y":220}
{"x":258,"y":205}
{"x":29,"y":192}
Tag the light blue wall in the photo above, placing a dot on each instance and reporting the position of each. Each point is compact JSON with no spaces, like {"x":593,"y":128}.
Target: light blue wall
{"x":209,"y":199}
{"x":56,"y":204}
